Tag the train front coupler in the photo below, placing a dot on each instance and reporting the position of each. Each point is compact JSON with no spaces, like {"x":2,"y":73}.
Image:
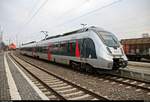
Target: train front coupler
{"x":123,"y":63}
{"x":119,"y":62}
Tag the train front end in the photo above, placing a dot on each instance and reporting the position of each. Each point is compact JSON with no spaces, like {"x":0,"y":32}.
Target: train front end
{"x":118,"y":57}
{"x":114,"y":56}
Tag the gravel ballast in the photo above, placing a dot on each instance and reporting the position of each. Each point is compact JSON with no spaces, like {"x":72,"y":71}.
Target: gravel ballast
{"x":110,"y":89}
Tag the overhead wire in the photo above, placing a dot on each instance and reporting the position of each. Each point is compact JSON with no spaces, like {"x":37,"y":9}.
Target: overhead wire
{"x":96,"y":10}
{"x":30,"y":11}
{"x":34,"y":14}
{"x":76,"y":18}
{"x":41,"y":6}
{"x":25,"y":20}
{"x":143,"y":25}
{"x":71,"y":10}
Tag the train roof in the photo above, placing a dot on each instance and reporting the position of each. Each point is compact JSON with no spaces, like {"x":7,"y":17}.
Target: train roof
{"x":44,"y":41}
{"x":29,"y":44}
{"x":136,"y":41}
{"x":76,"y":31}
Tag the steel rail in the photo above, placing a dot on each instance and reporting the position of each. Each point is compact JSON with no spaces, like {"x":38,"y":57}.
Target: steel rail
{"x":64,"y":80}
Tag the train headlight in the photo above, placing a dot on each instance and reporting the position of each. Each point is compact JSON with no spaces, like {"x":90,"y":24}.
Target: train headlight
{"x":108,"y":50}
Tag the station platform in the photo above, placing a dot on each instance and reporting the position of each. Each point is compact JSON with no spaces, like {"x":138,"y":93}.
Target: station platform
{"x":137,"y":70}
{"x":140,"y":64}
{"x":14,"y":84}
{"x":4,"y":88}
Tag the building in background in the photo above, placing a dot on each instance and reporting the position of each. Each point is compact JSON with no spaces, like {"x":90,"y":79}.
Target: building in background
{"x":145,"y":35}
{"x":137,"y":48}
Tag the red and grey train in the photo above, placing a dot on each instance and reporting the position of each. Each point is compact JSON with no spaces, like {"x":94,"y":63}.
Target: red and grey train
{"x":88,"y":48}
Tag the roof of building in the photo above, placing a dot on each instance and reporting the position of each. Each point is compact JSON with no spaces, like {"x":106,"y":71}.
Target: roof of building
{"x":136,"y":41}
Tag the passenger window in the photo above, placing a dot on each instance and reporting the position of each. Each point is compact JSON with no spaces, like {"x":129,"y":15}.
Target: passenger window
{"x":72,"y":47}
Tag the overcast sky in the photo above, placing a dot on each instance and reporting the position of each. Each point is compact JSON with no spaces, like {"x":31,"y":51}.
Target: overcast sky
{"x":22,"y":20}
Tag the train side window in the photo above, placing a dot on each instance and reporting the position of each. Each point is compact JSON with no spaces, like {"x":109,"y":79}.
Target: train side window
{"x":45,"y":49}
{"x":63,"y":48}
{"x":71,"y":52}
{"x":56,"y":49}
{"x":53,"y":50}
{"x":40,"y":49}
{"x":36,"y":49}
{"x":72,"y":47}
{"x":68,"y":48}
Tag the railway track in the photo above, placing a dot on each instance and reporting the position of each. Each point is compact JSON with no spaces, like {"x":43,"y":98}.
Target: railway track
{"x":114,"y":78}
{"x":117,"y":79}
{"x":128,"y":81}
{"x":56,"y":87}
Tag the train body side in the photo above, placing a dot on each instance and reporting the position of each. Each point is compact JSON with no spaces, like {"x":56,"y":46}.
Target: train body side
{"x":79,"y":48}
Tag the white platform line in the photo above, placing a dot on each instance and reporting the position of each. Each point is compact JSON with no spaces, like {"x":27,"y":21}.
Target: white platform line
{"x":14,"y":94}
{"x":40,"y":93}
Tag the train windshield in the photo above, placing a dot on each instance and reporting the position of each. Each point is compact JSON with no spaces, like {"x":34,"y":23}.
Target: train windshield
{"x":109,"y":39}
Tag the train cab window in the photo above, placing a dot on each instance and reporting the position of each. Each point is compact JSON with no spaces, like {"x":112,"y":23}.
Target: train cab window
{"x":88,"y":50}
{"x":109,"y":39}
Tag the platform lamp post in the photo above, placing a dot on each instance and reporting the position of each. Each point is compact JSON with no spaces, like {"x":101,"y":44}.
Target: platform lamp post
{"x":45,"y":33}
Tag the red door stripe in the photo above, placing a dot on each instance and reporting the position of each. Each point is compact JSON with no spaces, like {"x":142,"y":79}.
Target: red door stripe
{"x":77,"y":49}
{"x":70,"y":48}
{"x":49,"y":54}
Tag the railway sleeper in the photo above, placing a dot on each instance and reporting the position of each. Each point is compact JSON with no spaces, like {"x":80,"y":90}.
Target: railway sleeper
{"x":68,"y":90}
{"x":59,"y":85}
{"x":77,"y":93}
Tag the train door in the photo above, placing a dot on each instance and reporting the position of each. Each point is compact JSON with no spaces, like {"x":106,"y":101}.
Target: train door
{"x":88,"y":52}
{"x":88,"y":49}
{"x":83,"y":50}
{"x":88,"y":55}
